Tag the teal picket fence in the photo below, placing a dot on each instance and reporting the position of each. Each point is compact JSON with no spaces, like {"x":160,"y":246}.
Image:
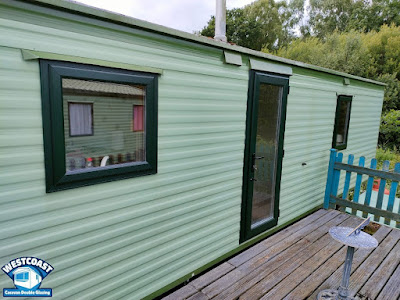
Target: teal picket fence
{"x":376,"y":201}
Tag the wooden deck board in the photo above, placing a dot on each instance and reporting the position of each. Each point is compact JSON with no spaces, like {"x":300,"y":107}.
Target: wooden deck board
{"x":319,"y":278}
{"x":212,"y":275}
{"x":263,"y":245}
{"x":275,"y":253}
{"x":267,"y":265}
{"x":299,"y":261}
{"x":293,"y":266}
{"x":283,"y":288}
{"x":392,"y":287}
{"x":360,"y":256}
{"x":381,"y":275}
{"x":368,"y":267}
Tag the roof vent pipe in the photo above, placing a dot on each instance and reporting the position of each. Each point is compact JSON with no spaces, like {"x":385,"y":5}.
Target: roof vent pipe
{"x":220,"y":21}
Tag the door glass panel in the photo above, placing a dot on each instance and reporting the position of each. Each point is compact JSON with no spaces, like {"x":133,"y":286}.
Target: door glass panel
{"x":266,"y":155}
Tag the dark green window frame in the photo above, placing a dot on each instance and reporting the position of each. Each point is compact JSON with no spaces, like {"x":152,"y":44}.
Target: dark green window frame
{"x":341,"y":99}
{"x":51,"y":73}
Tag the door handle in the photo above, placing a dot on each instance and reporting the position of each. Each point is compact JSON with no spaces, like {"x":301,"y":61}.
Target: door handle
{"x":256,"y":157}
{"x":254,"y":160}
{"x":254,"y":164}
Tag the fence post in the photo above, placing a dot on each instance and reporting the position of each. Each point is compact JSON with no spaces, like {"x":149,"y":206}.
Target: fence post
{"x":329,"y":179}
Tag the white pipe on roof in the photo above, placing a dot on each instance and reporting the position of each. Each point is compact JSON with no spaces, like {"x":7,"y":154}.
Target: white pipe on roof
{"x":220,"y":21}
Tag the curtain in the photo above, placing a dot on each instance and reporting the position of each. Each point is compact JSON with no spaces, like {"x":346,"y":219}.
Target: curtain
{"x":138,"y":118}
{"x":80,"y":119}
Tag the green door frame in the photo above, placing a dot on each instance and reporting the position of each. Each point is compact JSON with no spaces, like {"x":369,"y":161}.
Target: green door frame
{"x":256,"y":78}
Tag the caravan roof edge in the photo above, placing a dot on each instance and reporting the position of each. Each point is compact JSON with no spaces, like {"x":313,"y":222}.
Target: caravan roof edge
{"x":76,"y":7}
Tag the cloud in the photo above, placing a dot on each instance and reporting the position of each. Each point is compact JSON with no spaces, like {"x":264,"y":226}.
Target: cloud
{"x":185,"y":15}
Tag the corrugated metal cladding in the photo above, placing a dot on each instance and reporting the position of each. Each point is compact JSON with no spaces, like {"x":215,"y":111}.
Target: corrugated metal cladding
{"x":132,"y":237}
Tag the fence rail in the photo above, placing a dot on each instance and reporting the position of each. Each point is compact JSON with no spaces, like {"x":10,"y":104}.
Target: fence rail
{"x":378,"y":204}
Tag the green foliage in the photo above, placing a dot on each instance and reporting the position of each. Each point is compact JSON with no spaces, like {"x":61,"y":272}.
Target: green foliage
{"x":374,"y":55}
{"x":384,"y":46}
{"x":390,"y":155}
{"x":392,"y":92}
{"x":390,"y":129}
{"x":326,"y":16}
{"x":262,"y":24}
{"x":344,"y":52}
{"x":393,"y":157}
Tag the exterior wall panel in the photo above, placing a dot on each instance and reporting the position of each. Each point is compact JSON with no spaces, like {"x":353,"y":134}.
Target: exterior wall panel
{"x":134,"y":235}
{"x":309,"y":130}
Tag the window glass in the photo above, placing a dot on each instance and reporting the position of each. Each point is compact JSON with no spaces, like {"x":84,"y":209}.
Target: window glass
{"x":267,"y":143}
{"x":22,"y":276}
{"x":99,"y":117}
{"x":342,"y":122}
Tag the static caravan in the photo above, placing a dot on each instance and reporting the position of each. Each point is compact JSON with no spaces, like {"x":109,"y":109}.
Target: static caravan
{"x":135,"y":156}
{"x":26,"y":277}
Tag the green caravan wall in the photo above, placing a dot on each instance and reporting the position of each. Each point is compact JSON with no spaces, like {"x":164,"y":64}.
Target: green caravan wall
{"x":309,"y":129}
{"x":131,"y":237}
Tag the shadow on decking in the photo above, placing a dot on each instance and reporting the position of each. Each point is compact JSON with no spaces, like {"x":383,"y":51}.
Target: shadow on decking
{"x":299,"y":261}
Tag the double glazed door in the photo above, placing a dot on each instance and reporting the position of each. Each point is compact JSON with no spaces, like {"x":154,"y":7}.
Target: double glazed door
{"x":266,"y":114}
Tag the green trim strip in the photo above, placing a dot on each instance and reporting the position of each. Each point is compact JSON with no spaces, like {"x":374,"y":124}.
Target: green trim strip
{"x":233,"y":58}
{"x":110,"y":17}
{"x":31,"y":55}
{"x":270,"y":67}
{"x":228,"y":255}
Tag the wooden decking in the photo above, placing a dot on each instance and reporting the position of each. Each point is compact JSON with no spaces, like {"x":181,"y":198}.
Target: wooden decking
{"x":299,"y":261}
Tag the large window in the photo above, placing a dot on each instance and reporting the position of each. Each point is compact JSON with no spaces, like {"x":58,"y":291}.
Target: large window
{"x":100,"y":124}
{"x":342,"y":122}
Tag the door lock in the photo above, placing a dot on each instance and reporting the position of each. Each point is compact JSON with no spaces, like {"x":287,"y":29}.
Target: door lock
{"x":256,"y":157}
{"x":254,"y":164}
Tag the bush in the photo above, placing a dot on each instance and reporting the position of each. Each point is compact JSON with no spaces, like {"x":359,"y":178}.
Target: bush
{"x":390,"y":155}
{"x":389,"y":132}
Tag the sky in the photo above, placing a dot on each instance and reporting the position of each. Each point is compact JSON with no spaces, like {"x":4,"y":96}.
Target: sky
{"x":185,"y":15}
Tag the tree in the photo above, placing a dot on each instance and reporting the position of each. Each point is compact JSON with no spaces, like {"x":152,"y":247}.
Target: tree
{"x":343,"y":52}
{"x":389,"y":136}
{"x":326,"y":16}
{"x":262,"y":24}
{"x":374,"y":55}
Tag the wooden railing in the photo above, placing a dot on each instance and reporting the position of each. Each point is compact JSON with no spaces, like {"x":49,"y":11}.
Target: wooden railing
{"x":376,"y":208}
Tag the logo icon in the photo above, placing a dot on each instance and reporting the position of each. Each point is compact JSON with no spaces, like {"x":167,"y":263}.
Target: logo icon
{"x":27,"y":274}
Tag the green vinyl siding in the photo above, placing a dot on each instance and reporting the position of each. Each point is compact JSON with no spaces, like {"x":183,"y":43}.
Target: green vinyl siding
{"x":309,"y":130}
{"x":155,"y":229}
{"x":159,"y":228}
